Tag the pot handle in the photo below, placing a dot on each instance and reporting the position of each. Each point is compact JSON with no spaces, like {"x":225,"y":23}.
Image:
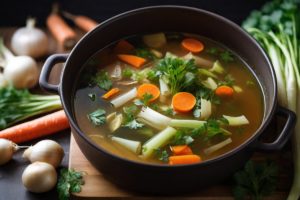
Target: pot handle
{"x":45,"y":73}
{"x":285,"y":134}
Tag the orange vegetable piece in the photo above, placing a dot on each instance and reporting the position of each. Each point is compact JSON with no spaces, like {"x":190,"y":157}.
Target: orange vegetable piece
{"x":184,"y":159}
{"x":132,"y":60}
{"x":224,"y":91}
{"x":183,"y":102}
{"x":192,"y":45}
{"x":123,"y":47}
{"x":181,"y":150}
{"x":40,"y":127}
{"x":111,"y":93}
{"x":150,"y":89}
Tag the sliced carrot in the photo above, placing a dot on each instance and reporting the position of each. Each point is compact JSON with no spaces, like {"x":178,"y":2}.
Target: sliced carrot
{"x":181,"y":150}
{"x":148,"y":88}
{"x":192,"y":45}
{"x":111,"y":93}
{"x":183,"y":102}
{"x":184,"y":159}
{"x":224,"y":91}
{"x":132,"y":60}
{"x":123,"y":46}
{"x":36,"y":128}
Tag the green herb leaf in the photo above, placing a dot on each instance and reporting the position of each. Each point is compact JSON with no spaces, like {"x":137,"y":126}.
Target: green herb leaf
{"x":162,"y":155}
{"x":133,"y":124}
{"x":102,"y":80}
{"x":226,"y":56}
{"x":127,"y":73}
{"x":144,"y":53}
{"x":145,"y":101}
{"x":129,"y":120}
{"x":256,"y":180}
{"x":92,"y":96}
{"x":69,"y":181}
{"x":97,"y":117}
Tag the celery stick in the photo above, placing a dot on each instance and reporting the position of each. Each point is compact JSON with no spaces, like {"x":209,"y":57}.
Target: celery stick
{"x":154,"y":118}
{"x":218,"y":146}
{"x":121,"y":100}
{"x":158,"y":141}
{"x":186,"y":123}
{"x":131,"y":145}
{"x":210,"y":83}
{"x":217,"y":67}
{"x":236,"y":121}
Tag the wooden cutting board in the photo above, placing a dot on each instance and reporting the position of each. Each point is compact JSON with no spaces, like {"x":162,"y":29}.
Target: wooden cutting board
{"x":96,"y":186}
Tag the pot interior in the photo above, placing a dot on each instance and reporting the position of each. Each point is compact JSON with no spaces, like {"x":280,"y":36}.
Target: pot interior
{"x":171,"y":19}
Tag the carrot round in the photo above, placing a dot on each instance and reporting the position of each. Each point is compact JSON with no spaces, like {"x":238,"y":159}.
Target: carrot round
{"x":184,"y":159}
{"x":61,"y":31}
{"x":36,"y":128}
{"x":132,"y":60}
{"x":148,"y":88}
{"x":111,"y":93}
{"x":181,"y":150}
{"x":192,"y":45}
{"x":123,"y":46}
{"x":85,"y":23}
{"x":224,"y":91}
{"x":183,"y":102}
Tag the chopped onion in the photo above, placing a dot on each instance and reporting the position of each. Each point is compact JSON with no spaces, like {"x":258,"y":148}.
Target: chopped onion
{"x":236,"y":121}
{"x":131,"y":145}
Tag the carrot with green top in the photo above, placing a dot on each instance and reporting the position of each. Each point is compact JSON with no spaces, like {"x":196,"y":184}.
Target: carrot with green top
{"x":148,"y":88}
{"x":192,"y":45}
{"x":36,"y":128}
{"x":135,"y":61}
{"x":184,"y":159}
{"x":181,"y":150}
{"x":224,"y":91}
{"x":183,"y":102}
{"x":111,"y":93}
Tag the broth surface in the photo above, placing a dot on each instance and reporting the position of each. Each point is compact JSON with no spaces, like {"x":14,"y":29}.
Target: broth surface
{"x":249,"y":102}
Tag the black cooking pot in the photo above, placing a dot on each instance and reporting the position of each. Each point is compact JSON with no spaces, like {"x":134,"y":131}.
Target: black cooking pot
{"x":163,"y":178}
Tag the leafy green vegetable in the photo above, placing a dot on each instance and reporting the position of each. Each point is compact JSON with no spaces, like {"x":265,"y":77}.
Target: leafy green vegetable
{"x":212,"y":50}
{"x":129,"y":119}
{"x":127,"y":73}
{"x":162,"y":155}
{"x":256,"y":180}
{"x":69,"y":181}
{"x":224,"y":55}
{"x":102,"y":80}
{"x":97,"y":117}
{"x":144,"y":53}
{"x":228,"y":80}
{"x":208,"y":94}
{"x":178,"y":73}
{"x":144,"y":101}
{"x":92,"y":96}
{"x":17,"y":105}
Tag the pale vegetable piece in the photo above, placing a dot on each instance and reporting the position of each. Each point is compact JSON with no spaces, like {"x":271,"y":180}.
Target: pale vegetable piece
{"x":218,"y":146}
{"x":217,"y":67}
{"x":131,"y":145}
{"x":116,"y":123}
{"x":30,"y":41}
{"x":164,"y":88}
{"x":186,"y":123}
{"x":202,"y":62}
{"x":126,"y":83}
{"x":236,"y":121}
{"x":39,"y":177}
{"x":7,"y":149}
{"x":124,"y":98}
{"x":116,"y":73}
{"x":237,"y":89}
{"x":155,"y":119}
{"x":47,"y":151}
{"x":210,"y":83}
{"x":170,"y":55}
{"x":156,"y":40}
{"x":156,"y":53}
{"x":3,"y":81}
{"x":158,"y":141}
{"x":205,"y":110}
{"x":111,"y":117}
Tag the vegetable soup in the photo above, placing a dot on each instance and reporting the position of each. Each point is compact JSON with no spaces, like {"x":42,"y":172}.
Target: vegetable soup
{"x":167,"y":98}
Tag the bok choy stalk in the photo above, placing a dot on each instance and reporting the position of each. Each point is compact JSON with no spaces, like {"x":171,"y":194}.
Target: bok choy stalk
{"x":277,"y":28}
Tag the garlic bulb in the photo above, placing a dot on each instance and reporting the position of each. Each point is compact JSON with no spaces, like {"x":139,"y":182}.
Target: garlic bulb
{"x":30,"y":41}
{"x":47,"y":151}
{"x":7,"y":149}
{"x":39,"y":177}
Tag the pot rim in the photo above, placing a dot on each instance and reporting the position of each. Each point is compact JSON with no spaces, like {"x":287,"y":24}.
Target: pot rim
{"x":266,"y":118}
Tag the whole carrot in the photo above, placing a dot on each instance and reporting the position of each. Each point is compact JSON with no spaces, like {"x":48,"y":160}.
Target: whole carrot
{"x":60,"y":30}
{"x":36,"y":128}
{"x":85,"y":23}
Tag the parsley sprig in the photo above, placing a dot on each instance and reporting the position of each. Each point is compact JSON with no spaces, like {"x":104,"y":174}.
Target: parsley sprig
{"x":129,"y":119}
{"x":97,"y":117}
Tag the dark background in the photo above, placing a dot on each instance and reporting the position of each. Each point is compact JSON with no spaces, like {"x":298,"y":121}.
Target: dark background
{"x":14,"y":12}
